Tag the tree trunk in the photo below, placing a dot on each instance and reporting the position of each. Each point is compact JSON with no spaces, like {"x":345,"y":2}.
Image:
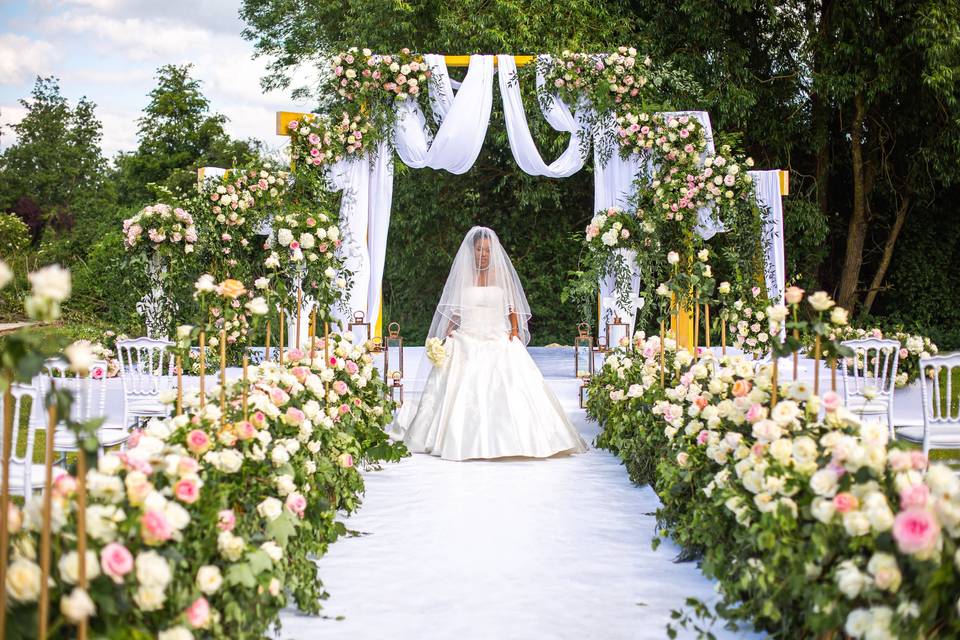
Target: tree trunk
{"x":857,"y":229}
{"x":887,"y":253}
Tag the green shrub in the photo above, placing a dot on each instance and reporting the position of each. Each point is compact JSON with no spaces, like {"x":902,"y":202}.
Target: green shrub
{"x":14,"y":236}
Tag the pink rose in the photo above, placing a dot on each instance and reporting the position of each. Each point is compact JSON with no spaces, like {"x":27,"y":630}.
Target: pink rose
{"x":116,"y":561}
{"x":344,"y":409}
{"x":187,"y":466}
{"x":258,"y":418}
{"x":899,"y":460}
{"x":198,"y":441}
{"x":295,"y":354}
{"x":65,"y":485}
{"x":914,"y":496}
{"x":245,"y":430}
{"x":844,"y":502}
{"x":294,"y":416}
{"x":134,"y":438}
{"x":155,"y":529}
{"x":702,"y":437}
{"x":831,"y":401}
{"x":756,"y":413}
{"x":352,"y":367}
{"x":300,"y":373}
{"x":904,"y":353}
{"x":919,"y":460}
{"x":345,"y":460}
{"x":226,"y":520}
{"x":916,"y":531}
{"x":758,"y":449}
{"x":297,"y":504}
{"x":278,"y":397}
{"x":186,"y":490}
{"x":198,"y":613}
{"x":340,"y":387}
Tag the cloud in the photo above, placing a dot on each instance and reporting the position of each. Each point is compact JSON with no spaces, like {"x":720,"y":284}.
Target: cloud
{"x":22,"y":57}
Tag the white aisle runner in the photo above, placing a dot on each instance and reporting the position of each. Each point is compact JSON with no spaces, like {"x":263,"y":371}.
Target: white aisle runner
{"x":554,"y":548}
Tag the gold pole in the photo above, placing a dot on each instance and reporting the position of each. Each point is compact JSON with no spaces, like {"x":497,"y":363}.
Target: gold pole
{"x":299,"y":308}
{"x":281,"y":336}
{"x":45,"y":522}
{"x":796,"y":355}
{"x":313,"y":335}
{"x":326,"y":340}
{"x":266,"y":344}
{"x":816,"y":366}
{"x":663,"y":334}
{"x":203,"y":369}
{"x":82,"y":532}
{"x":706,"y":311}
{"x":179,"y":385}
{"x":244,"y":392}
{"x":723,"y":335}
{"x":223,"y":377}
{"x":773,"y":383}
{"x":833,"y":373}
{"x":5,"y":496}
{"x":696,"y":327}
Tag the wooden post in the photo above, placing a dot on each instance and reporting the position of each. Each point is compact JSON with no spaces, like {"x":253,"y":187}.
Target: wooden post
{"x":179,"y":385}
{"x":45,"y":522}
{"x":281,"y":336}
{"x":313,"y":336}
{"x":299,"y":308}
{"x":706,"y":311}
{"x":244,"y":392}
{"x":833,"y":374}
{"x":723,"y":335}
{"x":696,"y":327}
{"x":8,"y":401}
{"x":82,"y":532}
{"x":266,"y":344}
{"x":773,"y":382}
{"x":223,"y":378}
{"x":203,"y":369}
{"x":816,"y":366}
{"x":663,"y":335}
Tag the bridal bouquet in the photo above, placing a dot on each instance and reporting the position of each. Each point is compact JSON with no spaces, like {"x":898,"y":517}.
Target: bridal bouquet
{"x":436,"y":352}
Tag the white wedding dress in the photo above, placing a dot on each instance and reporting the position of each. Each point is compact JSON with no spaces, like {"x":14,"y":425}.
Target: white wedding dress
{"x":488,"y":399}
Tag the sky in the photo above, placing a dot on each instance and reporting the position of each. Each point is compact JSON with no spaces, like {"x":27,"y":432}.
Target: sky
{"x":109,"y":51}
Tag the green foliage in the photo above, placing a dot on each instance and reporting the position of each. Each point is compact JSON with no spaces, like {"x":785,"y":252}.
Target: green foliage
{"x":14,"y":236}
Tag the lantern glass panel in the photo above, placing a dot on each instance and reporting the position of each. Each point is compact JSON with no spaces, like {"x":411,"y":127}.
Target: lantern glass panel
{"x":360,"y":328}
{"x":393,"y":354}
{"x":617,"y":331}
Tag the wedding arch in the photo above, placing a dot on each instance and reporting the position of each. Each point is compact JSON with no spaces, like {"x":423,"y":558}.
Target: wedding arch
{"x":356,"y":151}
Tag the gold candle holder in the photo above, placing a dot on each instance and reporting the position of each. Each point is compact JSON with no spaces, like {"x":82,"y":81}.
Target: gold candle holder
{"x":203,"y":369}
{"x":816,"y":365}
{"x":833,"y":374}
{"x":43,"y":605}
{"x":281,"y":336}
{"x":706,"y":312}
{"x":773,"y":382}
{"x":266,"y":344}
{"x":82,"y":532}
{"x":5,"y":495}
{"x":313,"y":336}
{"x":696,"y":328}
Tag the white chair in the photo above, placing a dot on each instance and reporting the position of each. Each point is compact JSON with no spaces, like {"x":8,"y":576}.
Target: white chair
{"x":89,"y":402}
{"x":25,"y":476}
{"x":941,"y":420}
{"x":146,"y":369}
{"x":869,"y":378}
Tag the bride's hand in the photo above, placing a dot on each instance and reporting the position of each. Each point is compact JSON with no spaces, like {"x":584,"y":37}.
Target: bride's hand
{"x":514,"y":334}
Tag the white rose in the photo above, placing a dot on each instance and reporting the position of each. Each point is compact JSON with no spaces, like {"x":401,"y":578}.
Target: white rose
{"x":23,"y":580}
{"x":175,"y":633}
{"x":230,"y":546}
{"x":230,"y":460}
{"x":823,"y":510}
{"x":857,"y":623}
{"x":270,"y":508}
{"x":78,"y":606}
{"x":69,"y":566}
{"x":824,"y":482}
{"x":307,"y":240}
{"x":285,"y":484}
{"x":284,"y":237}
{"x":850,"y":580}
{"x":820,"y":301}
{"x":724,"y":288}
{"x":149,"y":598}
{"x":673,"y":257}
{"x":258,"y":306}
{"x":777,"y":313}
{"x":273,"y":550}
{"x":205,"y":284}
{"x":261,"y":283}
{"x":153,"y":570}
{"x":886,"y":573}
{"x":209,"y":579}
{"x":782,"y":450}
{"x":51,"y":283}
{"x":856,"y":523}
{"x":80,"y":356}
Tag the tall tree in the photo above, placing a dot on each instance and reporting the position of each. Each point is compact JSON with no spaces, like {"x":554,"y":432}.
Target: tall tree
{"x":177,"y":133}
{"x":55,"y":167}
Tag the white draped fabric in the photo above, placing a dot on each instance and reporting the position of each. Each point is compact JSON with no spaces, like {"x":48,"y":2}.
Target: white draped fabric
{"x":557,"y":114}
{"x":768,"y":195}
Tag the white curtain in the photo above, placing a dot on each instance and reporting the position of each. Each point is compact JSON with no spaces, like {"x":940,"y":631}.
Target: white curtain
{"x":556,"y":113}
{"x":381,"y":199}
{"x":768,"y":195}
{"x":463,"y":119}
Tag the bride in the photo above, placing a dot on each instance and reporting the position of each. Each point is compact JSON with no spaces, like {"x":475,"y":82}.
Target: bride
{"x":487,"y":399}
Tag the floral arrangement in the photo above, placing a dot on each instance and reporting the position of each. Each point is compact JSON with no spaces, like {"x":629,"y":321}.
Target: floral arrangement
{"x":319,"y":140}
{"x":913,"y":347}
{"x":160,"y":229}
{"x":98,"y":351}
{"x":812,"y":523}
{"x":304,"y":245}
{"x":181,"y":542}
{"x":608,"y":229}
{"x":436,"y":352}
{"x":748,"y":324}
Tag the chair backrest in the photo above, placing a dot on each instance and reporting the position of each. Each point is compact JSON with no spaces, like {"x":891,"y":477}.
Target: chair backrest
{"x":874,"y":364}
{"x":938,"y":403}
{"x":89,"y":392}
{"x":20,"y":464}
{"x":146,"y":367}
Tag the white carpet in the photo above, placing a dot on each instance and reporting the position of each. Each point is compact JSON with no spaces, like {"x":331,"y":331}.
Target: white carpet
{"x":554,"y":548}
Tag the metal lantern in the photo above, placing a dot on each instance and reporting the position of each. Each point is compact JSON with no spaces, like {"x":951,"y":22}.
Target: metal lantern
{"x":584,"y":385}
{"x":600,"y":346}
{"x":396,"y":391}
{"x":583,"y":351}
{"x":617,"y":329}
{"x":393,"y":354}
{"x":359,"y":320}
